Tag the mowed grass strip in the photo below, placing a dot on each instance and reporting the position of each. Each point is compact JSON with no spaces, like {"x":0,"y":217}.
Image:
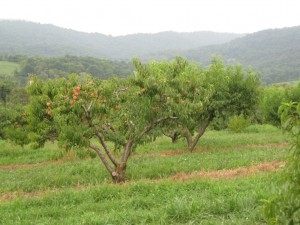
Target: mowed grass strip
{"x":91,"y":171}
{"x":234,"y":201}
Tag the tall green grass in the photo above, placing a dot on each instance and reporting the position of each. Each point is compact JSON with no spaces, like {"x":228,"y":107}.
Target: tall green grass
{"x":91,"y":171}
{"x":234,"y":201}
{"x":78,"y":190}
{"x":14,"y":154}
{"x":252,"y":135}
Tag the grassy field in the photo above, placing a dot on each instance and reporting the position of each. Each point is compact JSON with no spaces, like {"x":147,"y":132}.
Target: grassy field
{"x":222,"y":182}
{"x":8,"y":68}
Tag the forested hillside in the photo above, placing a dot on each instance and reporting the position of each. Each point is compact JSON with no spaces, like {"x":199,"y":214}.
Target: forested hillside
{"x":19,"y":37}
{"x":275,"y":53}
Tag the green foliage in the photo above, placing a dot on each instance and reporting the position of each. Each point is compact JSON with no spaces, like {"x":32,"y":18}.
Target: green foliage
{"x":6,"y":87}
{"x":284,"y":208}
{"x":78,"y":109}
{"x":209,"y":94}
{"x":238,"y":123}
{"x":133,"y":111}
{"x":272,"y":98}
{"x":13,"y":124}
{"x":5,"y":120}
{"x":240,"y":97}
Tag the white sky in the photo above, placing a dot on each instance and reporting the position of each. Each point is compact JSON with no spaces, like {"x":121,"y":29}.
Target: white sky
{"x":120,"y":17}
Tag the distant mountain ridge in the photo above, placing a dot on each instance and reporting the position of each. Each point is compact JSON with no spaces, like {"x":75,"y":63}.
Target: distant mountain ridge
{"x":274,"y":52}
{"x":20,"y":37}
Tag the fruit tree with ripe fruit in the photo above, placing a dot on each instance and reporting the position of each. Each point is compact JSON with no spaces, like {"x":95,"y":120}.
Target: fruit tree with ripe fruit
{"x":111,"y":110}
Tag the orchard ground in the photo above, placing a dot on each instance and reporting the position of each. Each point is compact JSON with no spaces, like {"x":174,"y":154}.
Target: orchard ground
{"x":222,"y":182}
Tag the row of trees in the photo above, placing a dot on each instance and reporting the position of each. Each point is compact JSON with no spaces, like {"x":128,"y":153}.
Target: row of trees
{"x":53,"y":67}
{"x":178,"y":98}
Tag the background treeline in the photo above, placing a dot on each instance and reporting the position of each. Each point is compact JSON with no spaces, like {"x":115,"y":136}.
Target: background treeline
{"x":52,"y":67}
{"x":275,"y":53}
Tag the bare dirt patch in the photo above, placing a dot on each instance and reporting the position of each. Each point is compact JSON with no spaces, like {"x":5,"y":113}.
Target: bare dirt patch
{"x":229,"y":174}
{"x":212,"y":174}
{"x":8,"y":196}
{"x":68,"y":157}
{"x":180,"y":152}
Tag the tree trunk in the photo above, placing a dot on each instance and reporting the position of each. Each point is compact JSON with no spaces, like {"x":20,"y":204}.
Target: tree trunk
{"x":175,"y":136}
{"x":118,"y":175}
{"x":193,"y":142}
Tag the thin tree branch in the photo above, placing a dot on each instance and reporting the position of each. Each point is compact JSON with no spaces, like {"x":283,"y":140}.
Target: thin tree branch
{"x":106,"y":149}
{"x":90,"y":105}
{"x":116,"y":92}
{"x":127,"y":152}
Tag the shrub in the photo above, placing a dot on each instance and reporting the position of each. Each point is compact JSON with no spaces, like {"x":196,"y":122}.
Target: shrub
{"x":238,"y":123}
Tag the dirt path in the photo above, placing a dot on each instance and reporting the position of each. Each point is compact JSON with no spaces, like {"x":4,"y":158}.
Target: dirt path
{"x":229,"y":174}
{"x":180,"y":152}
{"x":67,"y":158}
{"x":179,"y":177}
{"x":71,"y":157}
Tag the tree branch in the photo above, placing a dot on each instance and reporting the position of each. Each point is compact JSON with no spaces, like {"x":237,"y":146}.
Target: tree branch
{"x":102,"y":157}
{"x":106,"y":149}
{"x":192,"y":143}
{"x":155,"y":123}
{"x":116,"y":92}
{"x":99,"y":135}
{"x":127,"y":152}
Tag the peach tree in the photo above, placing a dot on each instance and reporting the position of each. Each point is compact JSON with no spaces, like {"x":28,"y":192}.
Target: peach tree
{"x":199,"y":95}
{"x":119,"y":113}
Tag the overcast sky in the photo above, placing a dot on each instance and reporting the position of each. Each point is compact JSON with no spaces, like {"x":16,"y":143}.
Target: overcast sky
{"x":120,"y":17}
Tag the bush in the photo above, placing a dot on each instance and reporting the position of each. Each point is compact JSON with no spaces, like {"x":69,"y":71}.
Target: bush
{"x":238,"y":123}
